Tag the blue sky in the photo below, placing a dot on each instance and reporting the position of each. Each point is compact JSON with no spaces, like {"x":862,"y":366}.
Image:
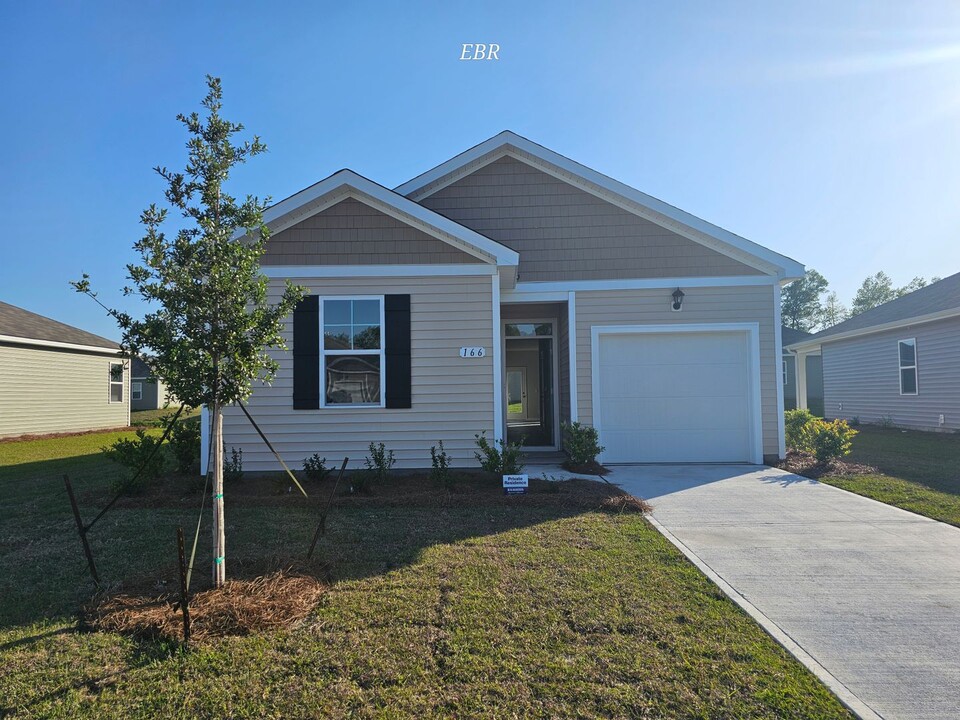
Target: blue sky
{"x":826,"y":131}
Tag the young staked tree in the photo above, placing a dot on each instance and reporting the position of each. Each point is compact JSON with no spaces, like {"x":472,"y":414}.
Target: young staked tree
{"x":208,"y":334}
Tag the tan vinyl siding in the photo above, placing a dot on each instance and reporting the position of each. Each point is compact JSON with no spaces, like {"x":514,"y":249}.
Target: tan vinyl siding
{"x":864,"y":374}
{"x":564,"y":233}
{"x":352,"y":233}
{"x":452,"y":396}
{"x":701,"y":305}
{"x":49,"y":391}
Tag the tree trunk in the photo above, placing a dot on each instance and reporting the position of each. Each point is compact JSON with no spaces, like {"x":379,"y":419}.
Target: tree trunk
{"x":219,"y":537}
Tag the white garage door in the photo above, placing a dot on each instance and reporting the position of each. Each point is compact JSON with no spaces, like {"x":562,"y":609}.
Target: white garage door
{"x":675,"y":397}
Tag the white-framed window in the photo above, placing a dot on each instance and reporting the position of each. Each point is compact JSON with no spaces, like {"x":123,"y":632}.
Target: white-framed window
{"x":908,"y":366}
{"x":115,"y":376}
{"x":136,"y":391}
{"x":784,"y":372}
{"x":352,"y":363}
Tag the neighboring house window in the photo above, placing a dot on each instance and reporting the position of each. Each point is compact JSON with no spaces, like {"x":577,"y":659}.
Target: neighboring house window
{"x":352,"y":362}
{"x":784,"y":372}
{"x":136,"y":391}
{"x":116,"y":382}
{"x":908,"y":366}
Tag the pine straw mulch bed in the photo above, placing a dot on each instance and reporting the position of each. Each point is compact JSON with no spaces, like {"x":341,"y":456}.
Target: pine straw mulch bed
{"x":590,"y":468}
{"x":273,"y":601}
{"x":803,"y":463}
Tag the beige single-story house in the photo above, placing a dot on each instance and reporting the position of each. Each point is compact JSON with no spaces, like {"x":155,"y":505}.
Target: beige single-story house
{"x":55,"y":378}
{"x":508,"y":290}
{"x":893,"y":364}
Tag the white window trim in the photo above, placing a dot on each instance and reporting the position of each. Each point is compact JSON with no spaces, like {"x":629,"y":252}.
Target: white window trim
{"x":785,"y":374}
{"x":111,"y":382}
{"x":381,"y":353}
{"x":136,"y":391}
{"x":915,"y":367}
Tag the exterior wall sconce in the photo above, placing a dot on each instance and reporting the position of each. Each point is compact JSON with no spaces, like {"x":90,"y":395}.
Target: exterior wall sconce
{"x":677,"y":300}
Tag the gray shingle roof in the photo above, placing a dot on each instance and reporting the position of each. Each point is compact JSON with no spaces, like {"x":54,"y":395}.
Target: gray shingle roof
{"x":791,"y":336}
{"x":937,"y":297}
{"x":20,"y":323}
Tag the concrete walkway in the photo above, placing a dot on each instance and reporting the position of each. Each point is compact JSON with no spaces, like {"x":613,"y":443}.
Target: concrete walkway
{"x":867,"y":595}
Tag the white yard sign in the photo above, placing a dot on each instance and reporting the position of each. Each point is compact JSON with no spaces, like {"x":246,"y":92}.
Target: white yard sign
{"x":515,"y":484}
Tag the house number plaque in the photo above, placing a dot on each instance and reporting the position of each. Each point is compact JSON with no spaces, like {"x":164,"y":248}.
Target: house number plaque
{"x":472,"y":352}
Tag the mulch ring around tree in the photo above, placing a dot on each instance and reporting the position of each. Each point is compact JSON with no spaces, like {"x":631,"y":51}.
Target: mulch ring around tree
{"x":803,"y":463}
{"x":150,"y":609}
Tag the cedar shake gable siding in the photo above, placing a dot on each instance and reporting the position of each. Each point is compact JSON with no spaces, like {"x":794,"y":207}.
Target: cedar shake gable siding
{"x":353,"y":233}
{"x":564,"y":233}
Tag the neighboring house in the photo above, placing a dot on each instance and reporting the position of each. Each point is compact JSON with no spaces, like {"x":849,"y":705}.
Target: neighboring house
{"x":505,"y":291}
{"x":56,"y":378}
{"x":895,"y":363}
{"x":814,"y":384}
{"x":147,"y":392}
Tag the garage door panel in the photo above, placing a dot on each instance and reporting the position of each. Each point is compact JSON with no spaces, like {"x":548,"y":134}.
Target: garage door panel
{"x":674,"y":397}
{"x":723,"y":380}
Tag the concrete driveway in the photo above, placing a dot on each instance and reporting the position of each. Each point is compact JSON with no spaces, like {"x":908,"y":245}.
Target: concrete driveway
{"x":867,"y":595}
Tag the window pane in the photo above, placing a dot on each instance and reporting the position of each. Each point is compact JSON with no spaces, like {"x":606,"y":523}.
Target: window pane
{"x":336,"y":312}
{"x":366,"y":337}
{"x":366,"y":312}
{"x":116,"y":392}
{"x":908,"y":381}
{"x":353,"y":379}
{"x":336,"y":337}
{"x":908,"y":352}
{"x":116,"y":372}
{"x":529,"y":329}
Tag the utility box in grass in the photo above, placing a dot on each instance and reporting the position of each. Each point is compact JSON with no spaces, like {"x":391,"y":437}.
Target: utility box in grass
{"x":515,"y":484}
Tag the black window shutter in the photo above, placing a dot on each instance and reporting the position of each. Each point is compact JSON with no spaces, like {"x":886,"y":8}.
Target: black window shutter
{"x":396,"y":315}
{"x":306,"y":354}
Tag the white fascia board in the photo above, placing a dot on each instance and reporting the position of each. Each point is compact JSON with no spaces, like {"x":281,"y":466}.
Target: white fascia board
{"x":507,"y":143}
{"x":350,"y":271}
{"x":563,"y":286}
{"x":347,"y":183}
{"x":61,"y":345}
{"x":807,"y":346}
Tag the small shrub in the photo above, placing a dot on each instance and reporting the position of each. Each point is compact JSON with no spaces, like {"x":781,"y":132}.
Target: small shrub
{"x":830,"y":440}
{"x":185,"y":443}
{"x":315,"y":468}
{"x":507,"y":460}
{"x":855,"y":420}
{"x":885,"y":421}
{"x":581,"y":443}
{"x":132,"y":454}
{"x":440,"y":466}
{"x":361,"y":481}
{"x":379,"y":462}
{"x":233,"y":465}
{"x":797,"y":425}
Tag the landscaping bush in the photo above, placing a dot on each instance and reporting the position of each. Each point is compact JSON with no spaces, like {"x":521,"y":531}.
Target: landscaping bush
{"x":507,"y":460}
{"x":797,"y":424}
{"x":132,"y":454}
{"x":581,"y":443}
{"x":233,"y":465}
{"x":440,"y":466}
{"x":379,"y":462}
{"x":827,"y":440}
{"x":315,"y":468}
{"x":185,"y":443}
{"x":830,"y":440}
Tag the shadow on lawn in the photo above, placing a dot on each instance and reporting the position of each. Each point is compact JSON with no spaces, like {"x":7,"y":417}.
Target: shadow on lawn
{"x":44,"y":572}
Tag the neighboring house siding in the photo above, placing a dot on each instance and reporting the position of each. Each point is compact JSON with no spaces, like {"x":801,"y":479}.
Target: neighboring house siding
{"x":352,"y":233}
{"x":564,"y":233}
{"x":452,"y":396}
{"x":48,"y":391}
{"x":863,"y":374}
{"x":700,"y":305}
{"x":154,"y":395}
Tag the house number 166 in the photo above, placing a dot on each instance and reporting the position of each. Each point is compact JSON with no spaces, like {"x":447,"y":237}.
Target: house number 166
{"x":472,"y":352}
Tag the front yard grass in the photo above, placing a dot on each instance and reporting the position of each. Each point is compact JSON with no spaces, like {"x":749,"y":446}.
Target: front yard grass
{"x":463,"y":604}
{"x":919,"y":471}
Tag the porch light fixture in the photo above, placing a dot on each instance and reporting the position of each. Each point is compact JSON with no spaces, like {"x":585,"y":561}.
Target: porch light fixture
{"x":677,"y":300}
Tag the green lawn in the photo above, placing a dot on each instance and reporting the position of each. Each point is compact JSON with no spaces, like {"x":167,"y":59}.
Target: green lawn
{"x":515,"y":408}
{"x":153,"y":417}
{"x":919,"y":471}
{"x":467,"y":604}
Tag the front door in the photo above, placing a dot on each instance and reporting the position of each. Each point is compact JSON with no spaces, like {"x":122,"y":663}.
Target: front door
{"x":529,"y":381}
